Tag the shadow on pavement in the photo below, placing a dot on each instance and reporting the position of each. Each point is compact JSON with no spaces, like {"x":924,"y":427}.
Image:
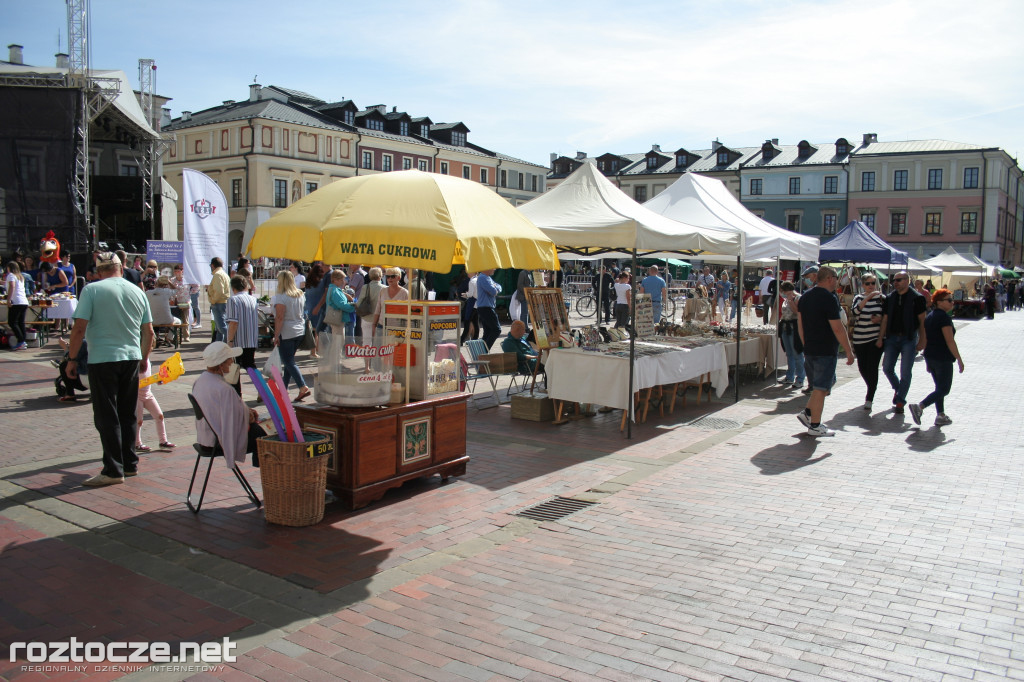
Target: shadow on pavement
{"x":782,"y":459}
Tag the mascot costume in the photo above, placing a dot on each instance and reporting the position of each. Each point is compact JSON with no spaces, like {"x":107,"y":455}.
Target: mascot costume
{"x":49,"y":249}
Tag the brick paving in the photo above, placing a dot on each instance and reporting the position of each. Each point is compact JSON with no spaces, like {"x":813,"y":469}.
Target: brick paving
{"x":888,"y":552}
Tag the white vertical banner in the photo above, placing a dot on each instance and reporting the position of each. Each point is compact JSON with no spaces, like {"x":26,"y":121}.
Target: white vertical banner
{"x":205,"y":225}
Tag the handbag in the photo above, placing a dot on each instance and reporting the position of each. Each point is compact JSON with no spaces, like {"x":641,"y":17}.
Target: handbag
{"x":333,"y":316}
{"x":308,"y":340}
{"x":364,"y":306}
{"x":273,"y":360}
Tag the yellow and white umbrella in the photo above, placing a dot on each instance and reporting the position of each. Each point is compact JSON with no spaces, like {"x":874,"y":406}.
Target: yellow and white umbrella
{"x":409,"y":219}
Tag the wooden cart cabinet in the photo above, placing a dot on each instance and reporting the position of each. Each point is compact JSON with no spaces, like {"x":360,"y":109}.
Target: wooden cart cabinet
{"x":381,"y":448}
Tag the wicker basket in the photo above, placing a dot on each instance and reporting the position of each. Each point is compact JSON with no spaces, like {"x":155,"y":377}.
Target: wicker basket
{"x":294,"y":477}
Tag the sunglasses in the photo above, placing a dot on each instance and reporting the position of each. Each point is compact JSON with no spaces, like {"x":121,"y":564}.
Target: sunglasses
{"x":899,"y":279}
{"x":392,"y":276}
{"x":870,"y":284}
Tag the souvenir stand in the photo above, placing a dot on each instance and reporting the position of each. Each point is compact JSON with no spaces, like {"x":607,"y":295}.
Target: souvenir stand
{"x":395,"y":409}
{"x":550,"y":320}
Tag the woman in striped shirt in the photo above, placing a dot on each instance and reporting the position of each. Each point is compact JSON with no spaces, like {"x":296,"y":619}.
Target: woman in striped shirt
{"x":865,"y":333}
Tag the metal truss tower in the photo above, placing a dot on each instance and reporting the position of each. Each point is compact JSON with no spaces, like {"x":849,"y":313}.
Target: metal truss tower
{"x":78,"y":78}
{"x":147,"y":70}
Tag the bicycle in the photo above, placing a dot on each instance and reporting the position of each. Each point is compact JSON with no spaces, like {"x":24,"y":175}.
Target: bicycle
{"x":586,"y":305}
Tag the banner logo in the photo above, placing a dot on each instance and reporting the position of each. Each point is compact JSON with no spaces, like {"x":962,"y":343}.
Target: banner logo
{"x":203,"y":209}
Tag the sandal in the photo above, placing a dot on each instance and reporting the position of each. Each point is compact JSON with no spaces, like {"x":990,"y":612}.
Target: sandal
{"x":68,"y":399}
{"x":143,"y":448}
{"x":303,"y":394}
{"x":168,"y":445}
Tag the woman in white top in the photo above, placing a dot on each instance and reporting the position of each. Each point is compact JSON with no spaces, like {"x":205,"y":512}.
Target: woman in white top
{"x":300,"y":279}
{"x":622,"y":293}
{"x":371,"y":290}
{"x":289,"y":328}
{"x":393,"y":292}
{"x":14,"y":282}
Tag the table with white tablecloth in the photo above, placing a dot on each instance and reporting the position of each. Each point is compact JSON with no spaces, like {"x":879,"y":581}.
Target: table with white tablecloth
{"x":62,"y":309}
{"x":597,"y":378}
{"x":756,"y":350}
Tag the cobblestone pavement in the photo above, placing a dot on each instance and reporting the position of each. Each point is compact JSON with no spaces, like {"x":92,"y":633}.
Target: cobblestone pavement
{"x":890,"y":551}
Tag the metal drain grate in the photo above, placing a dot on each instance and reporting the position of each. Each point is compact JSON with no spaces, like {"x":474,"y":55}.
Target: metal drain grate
{"x":554,"y":509}
{"x":715,"y":423}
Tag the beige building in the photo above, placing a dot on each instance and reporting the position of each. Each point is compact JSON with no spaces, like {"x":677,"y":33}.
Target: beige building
{"x":279,"y":145}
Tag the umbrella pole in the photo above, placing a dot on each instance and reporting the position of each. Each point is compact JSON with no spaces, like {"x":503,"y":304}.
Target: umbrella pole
{"x":778,"y":300}
{"x":739,"y":320}
{"x":632,"y":351}
{"x":408,"y":340}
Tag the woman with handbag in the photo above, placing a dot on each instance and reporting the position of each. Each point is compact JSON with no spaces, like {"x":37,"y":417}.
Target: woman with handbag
{"x":316,"y":296}
{"x":366,"y":305}
{"x":339,"y":304}
{"x":289,"y":328}
{"x":790,"y":338}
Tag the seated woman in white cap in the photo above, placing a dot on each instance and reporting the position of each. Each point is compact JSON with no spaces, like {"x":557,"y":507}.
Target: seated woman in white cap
{"x":233,"y":423}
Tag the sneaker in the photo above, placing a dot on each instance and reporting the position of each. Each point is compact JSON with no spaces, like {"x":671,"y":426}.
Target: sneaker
{"x":101,"y":480}
{"x":942,"y":420}
{"x":129,"y":474}
{"x":915,"y":412}
{"x":808,"y":390}
{"x":21,"y":346}
{"x":898,"y":409}
{"x":820,"y":431}
{"x":867,"y":405}
{"x":804,"y":418}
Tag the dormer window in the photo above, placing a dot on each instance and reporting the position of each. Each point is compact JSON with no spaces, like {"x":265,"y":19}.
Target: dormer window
{"x":375,"y":124}
{"x":425,"y":130}
{"x":652,"y":162}
{"x":615,"y":166}
{"x":842,"y":147}
{"x":723,"y":158}
{"x":403,"y":128}
{"x":681,"y":160}
{"x":458,"y":139}
{"x":350,"y":117}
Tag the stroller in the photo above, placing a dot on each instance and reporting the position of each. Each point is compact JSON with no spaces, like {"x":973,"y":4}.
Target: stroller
{"x":66,"y":386}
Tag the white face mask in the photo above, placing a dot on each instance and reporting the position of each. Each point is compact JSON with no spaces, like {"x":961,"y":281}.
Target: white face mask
{"x":232,"y":375}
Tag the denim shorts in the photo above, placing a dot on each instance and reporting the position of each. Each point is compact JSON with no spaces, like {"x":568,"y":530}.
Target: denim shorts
{"x":821,"y":371}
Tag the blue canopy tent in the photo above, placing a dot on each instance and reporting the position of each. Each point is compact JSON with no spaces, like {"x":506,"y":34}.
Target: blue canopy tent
{"x":857,"y":243}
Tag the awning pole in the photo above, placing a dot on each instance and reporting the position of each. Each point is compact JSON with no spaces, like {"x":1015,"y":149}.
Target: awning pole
{"x":632,"y":348}
{"x":739,"y":322}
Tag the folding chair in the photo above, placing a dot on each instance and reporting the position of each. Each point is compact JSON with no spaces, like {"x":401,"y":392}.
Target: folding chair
{"x":212,"y":453}
{"x":481,"y":369}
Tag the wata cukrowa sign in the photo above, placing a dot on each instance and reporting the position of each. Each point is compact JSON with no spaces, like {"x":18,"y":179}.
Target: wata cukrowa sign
{"x":387,"y":250}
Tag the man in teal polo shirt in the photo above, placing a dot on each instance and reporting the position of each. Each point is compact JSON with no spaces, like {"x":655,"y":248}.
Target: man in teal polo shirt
{"x":113,"y":316}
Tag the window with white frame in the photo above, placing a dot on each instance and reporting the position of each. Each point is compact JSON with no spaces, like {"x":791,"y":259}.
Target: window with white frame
{"x":868,"y":219}
{"x":504,"y":178}
{"x":349,"y":117}
{"x":898,"y":222}
{"x":794,"y":185}
{"x":722,"y":159}
{"x":793,"y":223}
{"x":934,"y":178}
{"x":652,"y":162}
{"x":368,"y":160}
{"x":640,"y":193}
{"x":406,"y":163}
{"x":971,"y":178}
{"x":236,"y":192}
{"x":867,"y":181}
{"x":422,"y":165}
{"x":458,"y":138}
{"x":933,"y":223}
{"x":900,"y":180}
{"x":969,"y":222}
{"x":424,"y":130}
{"x":828,"y":223}
{"x":756,"y":186}
{"x":311,"y":187}
{"x":483,"y":176}
{"x":403,"y":128}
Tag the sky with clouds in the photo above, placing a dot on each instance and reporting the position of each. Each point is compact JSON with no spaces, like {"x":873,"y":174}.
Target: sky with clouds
{"x":530,"y":78}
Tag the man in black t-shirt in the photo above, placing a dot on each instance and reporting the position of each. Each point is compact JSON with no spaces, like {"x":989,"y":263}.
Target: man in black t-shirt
{"x":821,"y":332}
{"x":903,"y":331}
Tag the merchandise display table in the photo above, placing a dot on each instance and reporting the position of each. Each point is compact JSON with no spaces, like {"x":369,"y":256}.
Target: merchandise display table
{"x":598,"y":377}
{"x":379,"y":448}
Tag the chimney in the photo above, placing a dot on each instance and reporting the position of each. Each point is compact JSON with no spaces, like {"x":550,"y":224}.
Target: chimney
{"x":581,"y":155}
{"x":554,"y":155}
{"x":62,"y":60}
{"x":15,"y":54}
{"x":254,"y":92}
{"x":382,"y":108}
{"x":394,"y":110}
{"x":165,"y":116}
{"x":228,"y":102}
{"x":656,"y":148}
{"x":186,"y":116}
{"x":715,"y":145}
{"x":869,"y":138}
{"x":775,"y":141}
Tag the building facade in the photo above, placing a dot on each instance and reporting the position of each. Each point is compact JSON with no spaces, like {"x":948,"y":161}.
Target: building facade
{"x":279,"y":145}
{"x":922,"y":196}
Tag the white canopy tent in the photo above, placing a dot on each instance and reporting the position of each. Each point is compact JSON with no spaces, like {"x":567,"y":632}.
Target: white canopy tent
{"x":959,"y":269}
{"x":707,"y":202}
{"x":588,"y":215}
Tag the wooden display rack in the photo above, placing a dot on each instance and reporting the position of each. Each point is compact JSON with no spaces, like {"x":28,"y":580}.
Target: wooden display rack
{"x":379,"y":448}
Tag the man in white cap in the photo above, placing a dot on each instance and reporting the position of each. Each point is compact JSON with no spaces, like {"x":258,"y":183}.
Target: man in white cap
{"x":233,"y":424}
